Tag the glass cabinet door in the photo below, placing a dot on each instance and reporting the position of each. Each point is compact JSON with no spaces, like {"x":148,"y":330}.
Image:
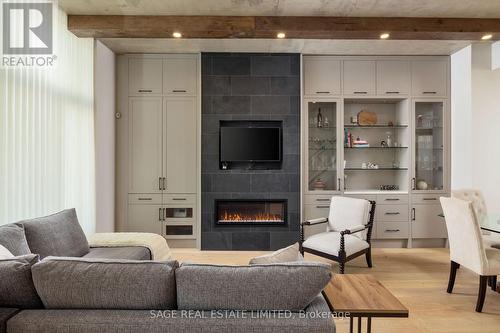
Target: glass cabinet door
{"x":429,"y":146}
{"x":322,"y":146}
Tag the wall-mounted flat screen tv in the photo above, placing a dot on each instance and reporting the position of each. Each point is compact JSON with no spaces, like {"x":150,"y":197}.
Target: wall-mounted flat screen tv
{"x":250,"y":144}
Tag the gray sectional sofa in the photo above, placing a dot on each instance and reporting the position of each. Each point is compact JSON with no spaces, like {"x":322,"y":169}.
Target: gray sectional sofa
{"x":87,"y":292}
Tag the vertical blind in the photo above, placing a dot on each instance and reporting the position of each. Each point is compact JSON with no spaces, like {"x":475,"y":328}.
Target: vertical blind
{"x":47,"y":133}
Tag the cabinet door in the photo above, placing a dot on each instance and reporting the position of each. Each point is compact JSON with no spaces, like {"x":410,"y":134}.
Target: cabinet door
{"x":144,"y":218}
{"x":426,"y":222}
{"x":179,"y":76}
{"x":322,"y":152}
{"x":145,"y":145}
{"x":180,"y":142}
{"x":359,"y":77}
{"x":429,"y":78}
{"x":145,"y":76}
{"x":321,"y":76}
{"x":429,"y":171}
{"x":393,"y":77}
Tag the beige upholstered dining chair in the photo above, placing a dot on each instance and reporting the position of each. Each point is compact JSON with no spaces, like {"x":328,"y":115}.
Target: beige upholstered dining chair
{"x":479,"y":206}
{"x":348,"y":231}
{"x":467,"y":248}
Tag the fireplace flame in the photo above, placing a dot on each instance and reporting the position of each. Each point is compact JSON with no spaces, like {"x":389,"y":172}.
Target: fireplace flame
{"x":260,"y":217}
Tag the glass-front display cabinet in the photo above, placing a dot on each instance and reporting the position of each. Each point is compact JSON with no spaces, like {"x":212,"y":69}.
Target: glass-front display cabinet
{"x":322,"y":150}
{"x":429,"y":153}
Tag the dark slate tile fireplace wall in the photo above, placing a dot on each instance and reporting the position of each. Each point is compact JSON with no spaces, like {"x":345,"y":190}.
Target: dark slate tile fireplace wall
{"x":244,"y":86}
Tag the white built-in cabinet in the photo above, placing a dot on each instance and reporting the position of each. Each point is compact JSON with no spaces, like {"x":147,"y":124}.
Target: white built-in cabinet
{"x":410,"y":96}
{"x":158,"y":143}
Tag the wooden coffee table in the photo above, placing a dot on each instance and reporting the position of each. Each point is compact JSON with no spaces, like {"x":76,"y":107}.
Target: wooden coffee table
{"x":361,"y":295}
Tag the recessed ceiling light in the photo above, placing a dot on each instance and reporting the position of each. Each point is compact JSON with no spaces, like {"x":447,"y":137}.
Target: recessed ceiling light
{"x":384,"y":36}
{"x":281,"y":35}
{"x":177,"y":34}
{"x":486,"y":37}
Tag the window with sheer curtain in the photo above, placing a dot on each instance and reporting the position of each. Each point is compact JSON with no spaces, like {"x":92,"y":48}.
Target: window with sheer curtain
{"x":47,"y":134}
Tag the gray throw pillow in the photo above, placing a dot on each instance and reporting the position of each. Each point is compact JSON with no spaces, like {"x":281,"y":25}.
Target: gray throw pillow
{"x":12,"y":237}
{"x":16,"y":284}
{"x":290,"y":286}
{"x":78,"y":283}
{"x":58,"y":234}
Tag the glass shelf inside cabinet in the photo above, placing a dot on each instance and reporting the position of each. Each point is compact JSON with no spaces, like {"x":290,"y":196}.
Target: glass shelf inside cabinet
{"x":429,"y":152}
{"x":321,"y":146}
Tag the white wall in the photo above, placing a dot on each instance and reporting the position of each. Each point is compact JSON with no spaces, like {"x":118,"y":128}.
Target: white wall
{"x":495,"y":55}
{"x":485,"y":105}
{"x":476,"y":122}
{"x":461,"y":117}
{"x":104,"y":118}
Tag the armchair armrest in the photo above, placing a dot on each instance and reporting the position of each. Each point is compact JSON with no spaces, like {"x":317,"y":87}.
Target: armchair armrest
{"x":320,"y":220}
{"x":354,"y":229}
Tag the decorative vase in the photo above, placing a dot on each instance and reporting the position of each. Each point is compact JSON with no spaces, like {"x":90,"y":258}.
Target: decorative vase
{"x":422,"y":185}
{"x":319,"y":118}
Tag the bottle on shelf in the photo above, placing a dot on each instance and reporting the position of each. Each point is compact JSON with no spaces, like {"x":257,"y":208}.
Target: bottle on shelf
{"x":319,"y":119}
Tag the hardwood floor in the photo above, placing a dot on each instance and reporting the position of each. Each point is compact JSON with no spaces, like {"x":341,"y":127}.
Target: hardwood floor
{"x":418,"y":277}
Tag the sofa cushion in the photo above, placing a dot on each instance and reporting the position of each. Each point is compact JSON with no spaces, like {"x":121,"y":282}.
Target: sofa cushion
{"x":121,"y":252}
{"x":5,"y":315}
{"x":290,"y":286}
{"x":58,"y":234}
{"x":16,"y":285}
{"x":70,"y":283}
{"x":316,"y":318}
{"x":4,"y":253}
{"x":12,"y":237}
{"x":288,"y":254}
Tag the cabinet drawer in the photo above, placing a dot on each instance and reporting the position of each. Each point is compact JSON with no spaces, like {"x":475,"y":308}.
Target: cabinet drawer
{"x":388,"y":213}
{"x":386,"y":230}
{"x":363,"y":196}
{"x":152,"y":199}
{"x":317,"y":199}
{"x":392,"y":199}
{"x":179,"y":199}
{"x":431,"y":199}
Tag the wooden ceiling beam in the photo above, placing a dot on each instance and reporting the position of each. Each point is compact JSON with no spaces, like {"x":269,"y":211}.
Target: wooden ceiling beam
{"x":118,"y":26}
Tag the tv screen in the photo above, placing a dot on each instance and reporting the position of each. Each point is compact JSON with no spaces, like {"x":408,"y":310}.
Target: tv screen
{"x":250,"y":144}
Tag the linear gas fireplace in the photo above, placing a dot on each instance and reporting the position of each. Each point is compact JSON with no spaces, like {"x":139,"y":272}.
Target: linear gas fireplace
{"x":245,"y":212}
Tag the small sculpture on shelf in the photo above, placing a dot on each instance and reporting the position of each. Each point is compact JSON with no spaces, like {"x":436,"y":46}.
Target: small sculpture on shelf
{"x":390,"y":124}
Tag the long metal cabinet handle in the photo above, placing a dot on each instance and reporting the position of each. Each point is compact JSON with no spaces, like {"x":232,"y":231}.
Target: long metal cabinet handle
{"x":164,"y":183}
{"x":164,"y":214}
{"x":159,"y":214}
{"x":159,"y":183}
{"x":413,"y":214}
{"x":413,"y":187}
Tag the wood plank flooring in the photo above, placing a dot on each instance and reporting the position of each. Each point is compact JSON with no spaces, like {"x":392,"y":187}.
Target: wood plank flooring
{"x":418,"y":277}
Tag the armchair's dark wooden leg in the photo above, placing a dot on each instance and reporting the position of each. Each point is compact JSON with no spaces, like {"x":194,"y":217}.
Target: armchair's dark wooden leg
{"x":483,"y":281}
{"x":453,"y":273}
{"x":342,"y":266}
{"x":492,"y":282}
{"x":369,"y":258}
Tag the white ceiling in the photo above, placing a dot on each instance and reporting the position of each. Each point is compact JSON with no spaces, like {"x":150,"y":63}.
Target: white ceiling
{"x":306,"y":46}
{"x":394,"y":8}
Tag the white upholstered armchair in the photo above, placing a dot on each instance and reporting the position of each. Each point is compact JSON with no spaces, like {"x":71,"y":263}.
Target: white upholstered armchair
{"x":347,"y":231}
{"x":467,"y":248}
